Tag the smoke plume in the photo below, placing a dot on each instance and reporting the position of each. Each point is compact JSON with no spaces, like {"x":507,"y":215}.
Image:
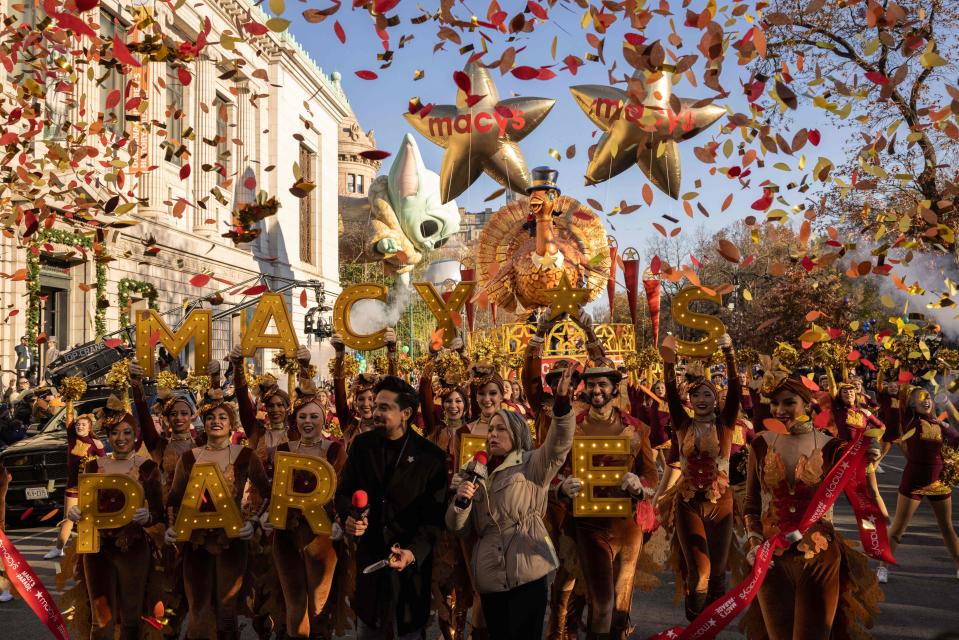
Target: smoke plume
{"x":369,"y":316}
{"x":929,"y":272}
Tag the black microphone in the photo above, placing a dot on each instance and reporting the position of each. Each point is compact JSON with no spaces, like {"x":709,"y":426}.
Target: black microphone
{"x":475,"y":471}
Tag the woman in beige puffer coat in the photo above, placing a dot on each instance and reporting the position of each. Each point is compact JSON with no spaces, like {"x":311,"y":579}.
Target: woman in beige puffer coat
{"x":513,"y":553}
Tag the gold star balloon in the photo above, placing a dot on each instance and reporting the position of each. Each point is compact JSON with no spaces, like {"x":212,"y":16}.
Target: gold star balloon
{"x":634,"y":131}
{"x":565,"y":299}
{"x":480,"y":133}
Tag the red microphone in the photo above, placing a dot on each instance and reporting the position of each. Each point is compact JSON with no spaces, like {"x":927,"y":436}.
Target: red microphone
{"x":360,"y":505}
{"x":475,"y":471}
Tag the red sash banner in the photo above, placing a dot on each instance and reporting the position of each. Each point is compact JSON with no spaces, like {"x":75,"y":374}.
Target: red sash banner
{"x":30,"y":588}
{"x":722,"y":611}
{"x":872,"y":524}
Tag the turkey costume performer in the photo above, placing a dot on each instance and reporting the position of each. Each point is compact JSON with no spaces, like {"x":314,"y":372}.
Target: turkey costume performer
{"x":850,"y":417}
{"x":608,"y":549}
{"x":700,"y":506}
{"x":116,"y":576}
{"x":214,"y":565}
{"x":177,"y":411}
{"x":262,"y":437}
{"x":922,"y":436}
{"x":305,"y":561}
{"x":354,"y":410}
{"x":818,"y":587}
{"x":82,"y":446}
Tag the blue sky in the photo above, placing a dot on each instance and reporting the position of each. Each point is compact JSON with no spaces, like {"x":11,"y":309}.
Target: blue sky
{"x":380,"y":104}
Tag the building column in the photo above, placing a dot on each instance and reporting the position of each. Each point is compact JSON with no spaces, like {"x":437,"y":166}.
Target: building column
{"x":245,"y":154}
{"x":203,"y":153}
{"x":150,"y":182}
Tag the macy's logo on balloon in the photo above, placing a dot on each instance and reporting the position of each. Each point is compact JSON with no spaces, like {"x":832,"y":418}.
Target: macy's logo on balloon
{"x":482,"y":121}
{"x":607,"y":109}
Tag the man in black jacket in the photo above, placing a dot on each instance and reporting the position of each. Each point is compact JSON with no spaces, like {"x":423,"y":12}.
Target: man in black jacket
{"x":404,"y":476}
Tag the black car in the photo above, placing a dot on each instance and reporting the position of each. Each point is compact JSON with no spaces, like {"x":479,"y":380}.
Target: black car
{"x":38,"y":465}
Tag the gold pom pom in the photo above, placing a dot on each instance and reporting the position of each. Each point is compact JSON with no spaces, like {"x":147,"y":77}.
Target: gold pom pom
{"x":421,"y":362}
{"x":404,"y":365}
{"x":286,"y":364}
{"x":949,"y":358}
{"x":451,"y":368}
{"x":484,"y":349}
{"x":747,"y":356}
{"x":786,"y":354}
{"x":905,"y":348}
{"x":166,"y":380}
{"x":950,"y":472}
{"x":334,"y":428}
{"x":831,"y":355}
{"x":198,"y":383}
{"x":513,"y":361}
{"x":72,"y":388}
{"x":119,"y":375}
{"x":378,"y":363}
{"x":351,"y":366}
{"x":646,"y":358}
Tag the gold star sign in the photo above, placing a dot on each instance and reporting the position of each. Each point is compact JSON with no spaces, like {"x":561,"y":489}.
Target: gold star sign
{"x":565,"y":299}
{"x":480,"y":133}
{"x":645,"y":134}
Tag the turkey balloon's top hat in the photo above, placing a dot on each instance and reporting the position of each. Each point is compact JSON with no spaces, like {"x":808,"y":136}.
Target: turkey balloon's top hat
{"x":544,"y":178}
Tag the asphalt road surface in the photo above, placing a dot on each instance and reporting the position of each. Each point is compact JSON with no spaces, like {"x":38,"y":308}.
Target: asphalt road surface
{"x":921,"y":598}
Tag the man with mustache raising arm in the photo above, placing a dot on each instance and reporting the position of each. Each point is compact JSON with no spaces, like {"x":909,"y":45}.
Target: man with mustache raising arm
{"x":609,"y":548}
{"x":404,"y":477}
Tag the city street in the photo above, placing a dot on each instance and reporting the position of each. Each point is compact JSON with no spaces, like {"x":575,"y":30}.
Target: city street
{"x":922,"y":597}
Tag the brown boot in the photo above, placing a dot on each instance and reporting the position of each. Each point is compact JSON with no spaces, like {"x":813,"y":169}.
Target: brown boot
{"x":695,"y":603}
{"x":558,"y":606}
{"x":717,"y":588}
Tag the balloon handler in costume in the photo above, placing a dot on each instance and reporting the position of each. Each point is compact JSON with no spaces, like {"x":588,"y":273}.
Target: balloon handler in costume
{"x":930,"y":446}
{"x":116,"y":576}
{"x":697,"y":503}
{"x":214,"y":565}
{"x":819,"y":587}
{"x":354,"y":410}
{"x":305,"y":561}
{"x":608,"y":549}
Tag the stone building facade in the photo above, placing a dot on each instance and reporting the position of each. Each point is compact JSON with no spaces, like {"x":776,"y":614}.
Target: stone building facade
{"x":261,"y":124}
{"x":356,"y":173}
